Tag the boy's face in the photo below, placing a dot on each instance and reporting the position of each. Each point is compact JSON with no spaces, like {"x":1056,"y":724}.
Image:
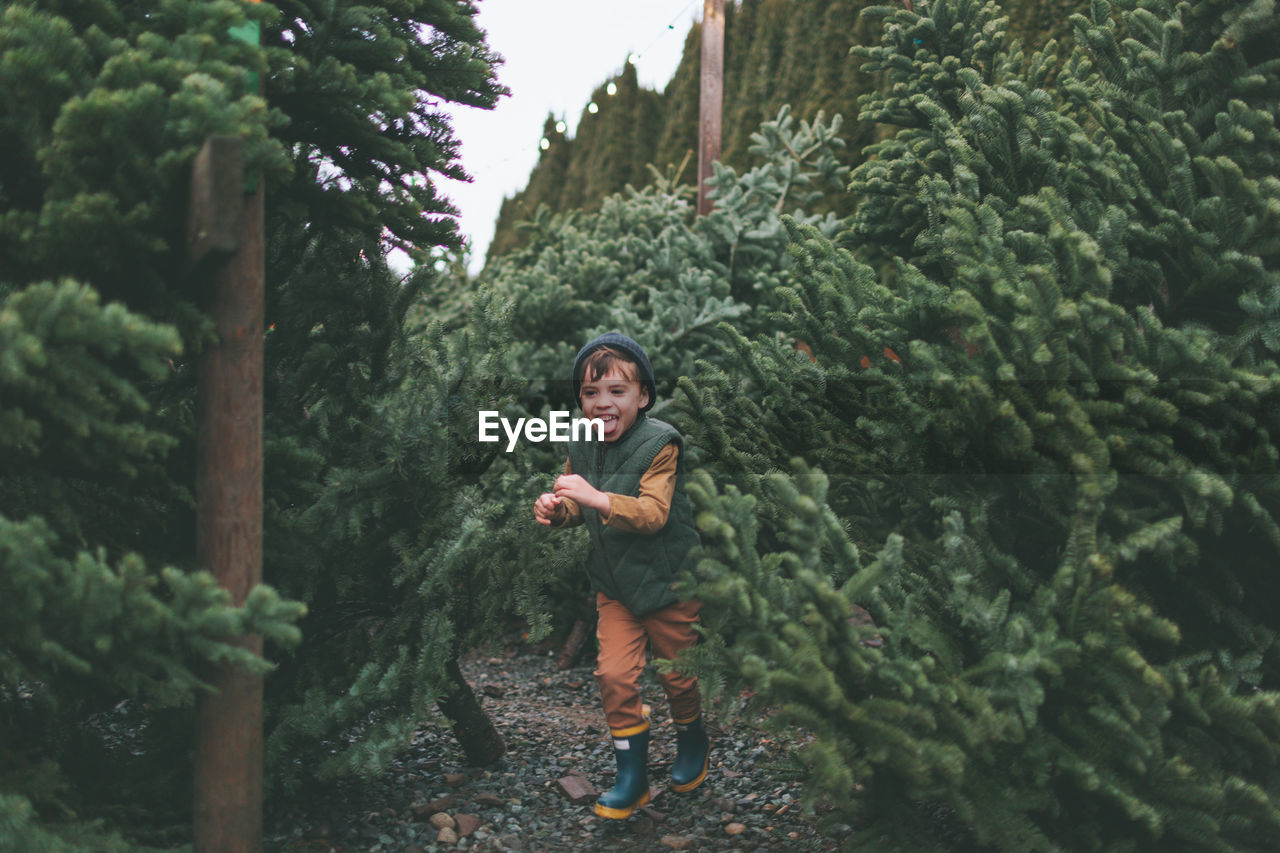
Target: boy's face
{"x":614,"y":398}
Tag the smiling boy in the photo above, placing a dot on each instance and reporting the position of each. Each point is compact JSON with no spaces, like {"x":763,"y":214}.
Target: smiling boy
{"x":629,"y":491}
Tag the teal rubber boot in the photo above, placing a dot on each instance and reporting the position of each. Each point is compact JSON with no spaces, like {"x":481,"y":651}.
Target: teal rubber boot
{"x":631,"y":790}
{"x":693,"y":755}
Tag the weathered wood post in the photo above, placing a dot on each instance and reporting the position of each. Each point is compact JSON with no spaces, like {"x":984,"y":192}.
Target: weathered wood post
{"x":226,"y":251}
{"x":225,"y":257}
{"x":711,"y":97}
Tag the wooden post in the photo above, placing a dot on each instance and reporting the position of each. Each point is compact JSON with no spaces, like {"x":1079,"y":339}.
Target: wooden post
{"x":711,"y":99}
{"x":225,"y":256}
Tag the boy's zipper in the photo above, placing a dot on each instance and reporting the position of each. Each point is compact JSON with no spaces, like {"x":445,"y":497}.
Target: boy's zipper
{"x":599,"y":484}
{"x":608,"y":564}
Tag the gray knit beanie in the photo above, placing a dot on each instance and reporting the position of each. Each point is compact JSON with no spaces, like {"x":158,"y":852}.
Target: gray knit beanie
{"x":619,"y":341}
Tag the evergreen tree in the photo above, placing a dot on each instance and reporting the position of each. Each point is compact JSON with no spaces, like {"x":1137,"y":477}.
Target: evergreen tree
{"x":102,"y":111}
{"x":762,"y":87}
{"x":344,"y":368}
{"x":612,"y":146}
{"x":363,"y":87}
{"x":552,"y":163}
{"x":678,"y":138}
{"x":1042,"y":396}
{"x":104,"y":107}
{"x":643,"y":265}
{"x":617,"y":129}
{"x":403,"y":515}
{"x":88,"y":622}
{"x":776,"y":53}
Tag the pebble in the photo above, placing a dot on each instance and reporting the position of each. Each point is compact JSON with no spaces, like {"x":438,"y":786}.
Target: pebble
{"x":440,"y":804}
{"x":576,"y":789}
{"x":466,"y":824}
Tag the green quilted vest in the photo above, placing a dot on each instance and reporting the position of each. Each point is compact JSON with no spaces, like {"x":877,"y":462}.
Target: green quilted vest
{"x":636,"y":569}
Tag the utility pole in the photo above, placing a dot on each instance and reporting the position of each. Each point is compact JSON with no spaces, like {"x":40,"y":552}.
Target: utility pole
{"x":711,"y":99}
{"x":225,"y":258}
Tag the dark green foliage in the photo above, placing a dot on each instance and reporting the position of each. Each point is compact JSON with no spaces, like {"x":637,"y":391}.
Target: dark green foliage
{"x":362,"y":85}
{"x":22,"y":833}
{"x":1039,"y":398}
{"x":101,"y":114}
{"x":86,"y":622}
{"x":404,"y":517}
{"x":644,"y":266}
{"x":641,"y":265}
{"x":71,"y":372}
{"x":97,"y":154}
{"x":354,"y":402}
{"x":103,"y":107}
{"x":351,"y":399}
{"x":678,"y":139}
{"x":618,"y":137}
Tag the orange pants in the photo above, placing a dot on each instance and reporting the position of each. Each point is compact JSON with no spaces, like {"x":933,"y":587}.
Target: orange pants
{"x":623,"y":638}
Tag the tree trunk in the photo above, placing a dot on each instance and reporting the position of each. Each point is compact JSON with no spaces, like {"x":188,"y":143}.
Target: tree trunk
{"x":480,"y":740}
{"x":578,"y":636}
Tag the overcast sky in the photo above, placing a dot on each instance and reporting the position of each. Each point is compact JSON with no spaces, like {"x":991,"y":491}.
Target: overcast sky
{"x":556,"y":53}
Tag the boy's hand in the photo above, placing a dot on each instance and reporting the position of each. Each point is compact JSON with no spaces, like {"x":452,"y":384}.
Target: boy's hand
{"x":546,"y":509}
{"x":577,"y":488}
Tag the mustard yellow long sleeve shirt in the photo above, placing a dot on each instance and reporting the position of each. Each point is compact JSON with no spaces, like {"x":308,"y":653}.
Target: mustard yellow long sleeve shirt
{"x":643,"y":513}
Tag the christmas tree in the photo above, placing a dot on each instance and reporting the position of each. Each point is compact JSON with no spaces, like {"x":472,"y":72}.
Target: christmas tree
{"x":768,"y":64}
{"x":777,"y":53}
{"x":104,"y":107}
{"x":1036,"y":442}
{"x":102,"y":111}
{"x":363,"y":408}
{"x":641,"y":264}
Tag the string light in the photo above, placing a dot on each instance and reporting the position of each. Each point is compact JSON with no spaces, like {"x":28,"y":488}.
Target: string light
{"x":634,"y":59}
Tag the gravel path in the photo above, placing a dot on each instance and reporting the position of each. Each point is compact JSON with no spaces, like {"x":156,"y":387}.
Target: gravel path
{"x":556,"y":744}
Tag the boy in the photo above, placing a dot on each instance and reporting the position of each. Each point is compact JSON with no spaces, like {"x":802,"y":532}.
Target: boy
{"x":629,"y":491}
